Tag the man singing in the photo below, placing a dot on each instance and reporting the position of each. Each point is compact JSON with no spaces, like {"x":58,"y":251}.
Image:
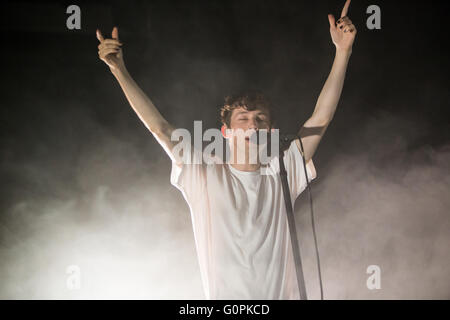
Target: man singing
{"x":239,"y":214}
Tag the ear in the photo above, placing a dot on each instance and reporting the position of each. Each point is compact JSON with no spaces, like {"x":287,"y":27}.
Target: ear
{"x":223,"y":130}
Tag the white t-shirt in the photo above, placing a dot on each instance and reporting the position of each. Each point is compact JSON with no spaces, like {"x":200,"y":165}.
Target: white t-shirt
{"x":240,"y":226}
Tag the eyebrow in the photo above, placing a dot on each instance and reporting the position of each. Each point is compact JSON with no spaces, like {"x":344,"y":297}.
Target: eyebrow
{"x":244,"y":112}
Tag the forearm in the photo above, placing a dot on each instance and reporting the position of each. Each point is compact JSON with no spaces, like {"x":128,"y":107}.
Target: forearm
{"x":331,"y":91}
{"x":110,"y":52}
{"x":146,"y":111}
{"x":141,"y":103}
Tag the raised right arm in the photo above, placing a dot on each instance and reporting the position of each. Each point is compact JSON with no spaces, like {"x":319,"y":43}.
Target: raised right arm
{"x":110,"y":52}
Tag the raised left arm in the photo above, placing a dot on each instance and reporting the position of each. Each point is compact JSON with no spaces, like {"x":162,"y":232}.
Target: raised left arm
{"x":342,"y":34}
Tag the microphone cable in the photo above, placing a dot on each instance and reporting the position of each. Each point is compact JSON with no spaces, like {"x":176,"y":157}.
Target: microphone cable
{"x":285,"y":141}
{"x":312,"y":217}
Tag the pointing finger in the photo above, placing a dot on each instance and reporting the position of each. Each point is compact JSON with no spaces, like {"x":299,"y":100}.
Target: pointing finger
{"x":99,"y":36}
{"x":345,"y":9}
{"x":115,"y":33}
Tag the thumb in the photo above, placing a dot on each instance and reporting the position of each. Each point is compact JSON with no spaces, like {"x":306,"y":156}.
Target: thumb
{"x":99,"y":35}
{"x":115,"y":33}
{"x":332,"y":21}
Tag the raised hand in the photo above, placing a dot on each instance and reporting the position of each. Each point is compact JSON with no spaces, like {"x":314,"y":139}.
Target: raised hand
{"x":110,"y":51}
{"x":343,"y":32}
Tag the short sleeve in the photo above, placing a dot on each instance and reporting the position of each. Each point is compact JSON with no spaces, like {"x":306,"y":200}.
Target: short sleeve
{"x":293,"y":162}
{"x":190,"y":179}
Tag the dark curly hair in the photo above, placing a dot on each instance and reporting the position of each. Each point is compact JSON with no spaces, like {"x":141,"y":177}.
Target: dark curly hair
{"x":249,"y":100}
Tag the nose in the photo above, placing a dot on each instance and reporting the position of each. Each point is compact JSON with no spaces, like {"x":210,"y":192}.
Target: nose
{"x":253,"y":125}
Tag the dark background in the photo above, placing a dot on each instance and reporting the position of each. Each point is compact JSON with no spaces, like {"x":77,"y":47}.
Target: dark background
{"x":83,"y":179}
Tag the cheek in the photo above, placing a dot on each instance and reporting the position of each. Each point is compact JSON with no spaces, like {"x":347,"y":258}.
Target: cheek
{"x":238,"y":125}
{"x":237,"y":129}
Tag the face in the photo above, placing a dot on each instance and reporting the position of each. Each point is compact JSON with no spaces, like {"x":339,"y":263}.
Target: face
{"x":245,"y":120}
{"x":248,"y":122}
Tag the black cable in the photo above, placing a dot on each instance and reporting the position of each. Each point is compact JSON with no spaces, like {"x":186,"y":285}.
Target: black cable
{"x":285,"y":142}
{"x":312,"y":217}
{"x":292,"y":229}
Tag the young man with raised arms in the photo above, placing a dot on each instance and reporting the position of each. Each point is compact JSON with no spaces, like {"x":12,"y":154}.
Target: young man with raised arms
{"x":238,"y":214}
